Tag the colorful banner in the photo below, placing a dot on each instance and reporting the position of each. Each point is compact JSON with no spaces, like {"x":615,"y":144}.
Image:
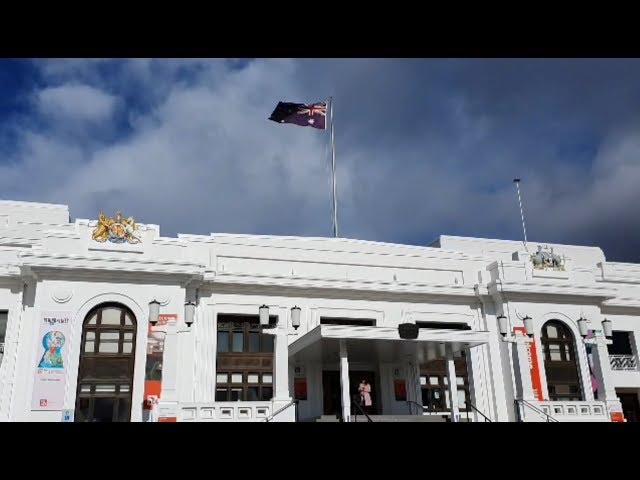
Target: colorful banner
{"x":153,"y":372}
{"x":534,"y":365}
{"x":51,"y":361}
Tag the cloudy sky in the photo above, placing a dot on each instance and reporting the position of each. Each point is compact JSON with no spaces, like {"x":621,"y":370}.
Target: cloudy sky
{"x":423,"y":147}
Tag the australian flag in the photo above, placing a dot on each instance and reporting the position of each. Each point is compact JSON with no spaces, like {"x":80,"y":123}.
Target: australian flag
{"x":313,"y":115}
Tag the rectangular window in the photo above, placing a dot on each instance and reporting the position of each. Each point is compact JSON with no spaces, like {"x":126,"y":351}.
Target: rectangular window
{"x":244,"y":359}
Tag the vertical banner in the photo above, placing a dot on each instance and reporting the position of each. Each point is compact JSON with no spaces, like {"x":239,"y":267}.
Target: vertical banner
{"x":153,"y":371}
{"x":534,"y":365}
{"x":51,"y":361}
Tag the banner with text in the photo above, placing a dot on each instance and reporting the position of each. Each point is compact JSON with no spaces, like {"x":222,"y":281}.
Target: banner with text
{"x":51,"y":361}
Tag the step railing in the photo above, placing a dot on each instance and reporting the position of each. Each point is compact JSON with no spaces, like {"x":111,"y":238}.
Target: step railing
{"x":521,"y":403}
{"x":282,"y":409}
{"x":473,"y":407}
{"x":357,"y":401}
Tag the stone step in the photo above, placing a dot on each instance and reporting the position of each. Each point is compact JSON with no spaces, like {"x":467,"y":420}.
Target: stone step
{"x":389,"y":418}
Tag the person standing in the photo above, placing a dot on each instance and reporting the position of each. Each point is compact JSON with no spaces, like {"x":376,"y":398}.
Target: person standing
{"x":364,"y":389}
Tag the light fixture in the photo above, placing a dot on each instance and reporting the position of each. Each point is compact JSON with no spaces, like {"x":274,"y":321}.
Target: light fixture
{"x":154,"y":311}
{"x":607,"y":328}
{"x":189,"y":312}
{"x":528,"y":325}
{"x":295,"y":317}
{"x":502,"y":325}
{"x":583,"y":326}
{"x":264,"y":316}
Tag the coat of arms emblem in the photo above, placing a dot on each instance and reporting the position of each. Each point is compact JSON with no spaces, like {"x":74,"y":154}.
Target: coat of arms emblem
{"x":545,"y":259}
{"x":116,"y":230}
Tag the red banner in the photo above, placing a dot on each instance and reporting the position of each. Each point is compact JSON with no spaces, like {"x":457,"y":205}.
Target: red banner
{"x":534,"y":366}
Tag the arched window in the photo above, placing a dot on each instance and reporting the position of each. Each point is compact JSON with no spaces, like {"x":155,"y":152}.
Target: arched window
{"x":560,"y":362}
{"x":105,"y":373}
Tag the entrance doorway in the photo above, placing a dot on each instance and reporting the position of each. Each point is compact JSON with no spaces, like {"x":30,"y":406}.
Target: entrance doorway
{"x":630,"y":406}
{"x":331,"y":395}
{"x":105,"y":375}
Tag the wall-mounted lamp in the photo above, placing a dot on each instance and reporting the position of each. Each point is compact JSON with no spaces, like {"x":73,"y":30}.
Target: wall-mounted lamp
{"x":295,"y":317}
{"x":528,"y":325}
{"x":502,"y":325}
{"x":583,"y":326}
{"x":264,"y":316}
{"x":189,"y":312}
{"x":154,"y":312}
{"x":607,"y":328}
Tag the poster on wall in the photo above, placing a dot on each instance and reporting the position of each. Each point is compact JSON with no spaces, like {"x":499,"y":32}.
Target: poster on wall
{"x":534,"y":365}
{"x":153,"y":371}
{"x":51,"y":361}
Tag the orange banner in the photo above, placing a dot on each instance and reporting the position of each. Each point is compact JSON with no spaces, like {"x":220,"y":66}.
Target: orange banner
{"x":534,"y":366}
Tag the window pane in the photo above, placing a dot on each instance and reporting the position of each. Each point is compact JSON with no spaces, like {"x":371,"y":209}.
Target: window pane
{"x":109,"y":336}
{"x":267,"y":378}
{"x":267,"y":343}
{"x":459,"y":380}
{"x":254,"y":342}
{"x":552,"y":331}
{"x":91,"y":336}
{"x":433,"y":381}
{"x":267,"y":393}
{"x":238,"y":341}
{"x":423,"y":380}
{"x":128,"y":336}
{"x":124,"y":409}
{"x":252,"y":394}
{"x":103,"y":409}
{"x":108,"y":347}
{"x":111,"y":316}
{"x":236,"y":378}
{"x":82,"y":412}
{"x":222,"y":378}
{"x":127,"y":319}
{"x":461,"y":399}
{"x":236,"y":394}
{"x":221,"y":394}
{"x":253,"y":378}
{"x":92,"y":320}
{"x":105,"y":388}
{"x":126,"y":347}
{"x":88,"y":347}
{"x":554,"y":353}
{"x":223,"y":341}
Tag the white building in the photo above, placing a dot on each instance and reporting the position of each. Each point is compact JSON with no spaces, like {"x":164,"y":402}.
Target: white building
{"x":508,"y":335}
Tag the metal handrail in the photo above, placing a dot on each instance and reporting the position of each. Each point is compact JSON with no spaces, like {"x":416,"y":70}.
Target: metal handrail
{"x":550,"y":419}
{"x":419,"y":405}
{"x":486,"y":419}
{"x":292,"y":402}
{"x":357,"y":401}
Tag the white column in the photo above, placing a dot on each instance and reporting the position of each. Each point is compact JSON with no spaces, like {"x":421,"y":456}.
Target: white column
{"x":414,"y":392}
{"x":602,"y":371}
{"x":453,"y":387}
{"x":281,"y":367}
{"x":344,"y":382}
{"x":523,"y":363}
{"x":169,"y":392}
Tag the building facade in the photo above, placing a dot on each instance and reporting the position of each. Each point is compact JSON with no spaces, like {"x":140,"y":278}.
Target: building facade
{"x":106,"y":320}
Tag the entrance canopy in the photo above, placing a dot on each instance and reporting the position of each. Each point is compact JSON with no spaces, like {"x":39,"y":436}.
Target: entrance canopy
{"x":366,"y":343}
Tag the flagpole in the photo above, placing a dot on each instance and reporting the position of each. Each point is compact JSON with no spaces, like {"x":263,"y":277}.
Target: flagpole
{"x":333,"y":173}
{"x":524,"y":228}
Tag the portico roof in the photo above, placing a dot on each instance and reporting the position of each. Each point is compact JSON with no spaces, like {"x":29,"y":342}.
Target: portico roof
{"x":367,"y":343}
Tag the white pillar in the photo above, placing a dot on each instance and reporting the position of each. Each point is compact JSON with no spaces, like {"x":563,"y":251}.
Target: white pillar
{"x":523,"y":363}
{"x":169,"y":392}
{"x":453,"y":386}
{"x":414,"y":392}
{"x":344,"y":382}
{"x":602,"y":371}
{"x":281,"y":367}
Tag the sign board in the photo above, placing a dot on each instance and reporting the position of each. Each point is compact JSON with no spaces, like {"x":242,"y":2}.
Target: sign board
{"x":51,"y":361}
{"x":617,"y":417}
{"x":67,"y":416}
